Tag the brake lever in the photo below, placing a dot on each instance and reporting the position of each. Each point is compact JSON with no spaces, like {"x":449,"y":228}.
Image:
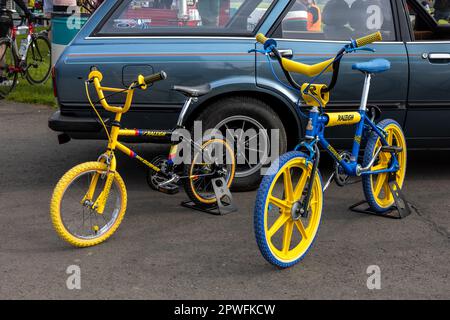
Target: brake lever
{"x":350,"y":49}
{"x":255,"y":50}
{"x":265,"y":51}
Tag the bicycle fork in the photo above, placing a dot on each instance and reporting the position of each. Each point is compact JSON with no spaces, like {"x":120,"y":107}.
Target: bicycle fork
{"x":300,"y":208}
{"x":99,"y":204}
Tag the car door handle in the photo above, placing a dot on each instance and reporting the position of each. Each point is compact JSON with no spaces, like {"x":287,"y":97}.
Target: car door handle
{"x":285,"y":53}
{"x":438,"y":57}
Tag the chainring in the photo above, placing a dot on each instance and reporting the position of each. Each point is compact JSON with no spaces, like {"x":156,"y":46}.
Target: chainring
{"x":340,"y":177}
{"x":154,"y":179}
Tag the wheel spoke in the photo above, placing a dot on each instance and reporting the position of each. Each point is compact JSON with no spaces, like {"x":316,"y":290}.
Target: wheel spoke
{"x":380,"y":181}
{"x":301,"y":185}
{"x":242,"y":130}
{"x":287,"y":235}
{"x":379,"y":166}
{"x":288,"y":189}
{"x":301,"y":229}
{"x":282,"y":204}
{"x":278,"y":224}
{"x":255,"y":150}
{"x":245,"y":158}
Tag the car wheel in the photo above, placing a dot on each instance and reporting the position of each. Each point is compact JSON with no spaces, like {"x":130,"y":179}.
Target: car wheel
{"x":244,"y":113}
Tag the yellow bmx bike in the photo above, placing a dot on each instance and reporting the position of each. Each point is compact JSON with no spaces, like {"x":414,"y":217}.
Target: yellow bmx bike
{"x":89,"y":201}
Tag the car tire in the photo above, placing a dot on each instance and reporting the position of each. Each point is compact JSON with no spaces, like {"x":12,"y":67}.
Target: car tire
{"x":257,"y":114}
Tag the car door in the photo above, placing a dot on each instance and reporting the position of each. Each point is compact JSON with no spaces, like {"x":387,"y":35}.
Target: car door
{"x":194,"y":45}
{"x":429,"y":95}
{"x":340,"y":21}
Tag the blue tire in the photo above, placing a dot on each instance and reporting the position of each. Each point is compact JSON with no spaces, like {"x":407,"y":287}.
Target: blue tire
{"x":381,"y":201}
{"x":291,"y":162}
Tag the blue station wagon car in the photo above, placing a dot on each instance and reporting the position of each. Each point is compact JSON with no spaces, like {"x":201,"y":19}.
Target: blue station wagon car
{"x":207,"y":41}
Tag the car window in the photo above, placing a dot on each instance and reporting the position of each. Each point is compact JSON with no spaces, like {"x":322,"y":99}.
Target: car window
{"x":184,"y":17}
{"x":439,"y":10}
{"x":434,"y":14}
{"x":337,"y":19}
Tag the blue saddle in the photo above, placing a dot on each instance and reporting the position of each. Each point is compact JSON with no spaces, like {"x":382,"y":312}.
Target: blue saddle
{"x":372,"y":66}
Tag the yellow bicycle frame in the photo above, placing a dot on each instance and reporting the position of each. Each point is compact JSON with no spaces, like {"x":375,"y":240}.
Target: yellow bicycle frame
{"x":113,"y":143}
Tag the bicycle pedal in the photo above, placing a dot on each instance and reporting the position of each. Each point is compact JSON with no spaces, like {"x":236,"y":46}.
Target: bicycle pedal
{"x":394,"y":149}
{"x":169,"y":188}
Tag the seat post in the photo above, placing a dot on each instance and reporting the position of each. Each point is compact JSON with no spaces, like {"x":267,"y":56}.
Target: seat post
{"x":365,"y":93}
{"x":183,"y":112}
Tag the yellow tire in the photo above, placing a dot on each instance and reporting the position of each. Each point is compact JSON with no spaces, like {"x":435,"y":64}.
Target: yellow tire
{"x":282,"y":240}
{"x":376,"y":186}
{"x":70,"y":202}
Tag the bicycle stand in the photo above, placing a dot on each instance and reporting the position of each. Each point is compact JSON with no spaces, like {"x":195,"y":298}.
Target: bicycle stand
{"x":225,"y":203}
{"x":402,"y":206}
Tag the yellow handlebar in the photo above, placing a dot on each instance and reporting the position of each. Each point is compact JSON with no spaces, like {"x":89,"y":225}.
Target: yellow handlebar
{"x":369,"y":39}
{"x":261,"y":38}
{"x":96,"y":77}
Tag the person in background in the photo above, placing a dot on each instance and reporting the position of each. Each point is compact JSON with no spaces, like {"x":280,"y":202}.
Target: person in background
{"x":442,"y":10}
{"x":426,"y":5}
{"x":4,"y":11}
{"x":314,"y":16}
{"x":209,"y":12}
{"x":162,"y":4}
{"x":335,"y":17}
{"x":47,"y":10}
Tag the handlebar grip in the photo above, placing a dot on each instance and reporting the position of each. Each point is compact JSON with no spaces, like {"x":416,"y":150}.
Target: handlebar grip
{"x":369,"y":39}
{"x":155,"y":77}
{"x":261,"y":38}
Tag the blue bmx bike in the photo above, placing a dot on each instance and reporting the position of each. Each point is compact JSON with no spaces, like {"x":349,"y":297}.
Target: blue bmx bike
{"x":289,"y":201}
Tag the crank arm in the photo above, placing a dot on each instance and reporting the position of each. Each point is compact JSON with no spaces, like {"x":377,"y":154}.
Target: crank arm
{"x":199,"y":175}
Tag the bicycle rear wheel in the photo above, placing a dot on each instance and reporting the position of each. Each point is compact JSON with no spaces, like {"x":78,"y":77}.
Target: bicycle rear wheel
{"x":376,"y":186}
{"x":8,"y":61}
{"x":38,"y":60}
{"x":215,"y":156}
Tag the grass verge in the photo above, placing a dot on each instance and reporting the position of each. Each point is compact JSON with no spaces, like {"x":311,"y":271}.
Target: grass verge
{"x":37,"y":94}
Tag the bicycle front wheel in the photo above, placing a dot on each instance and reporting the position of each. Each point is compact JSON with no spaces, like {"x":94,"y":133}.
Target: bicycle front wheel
{"x":74,"y":205}
{"x":38,"y":60}
{"x":282,"y":240}
{"x":8,"y":61}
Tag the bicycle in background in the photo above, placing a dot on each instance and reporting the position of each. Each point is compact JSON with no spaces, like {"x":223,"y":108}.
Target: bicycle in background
{"x":31,"y":58}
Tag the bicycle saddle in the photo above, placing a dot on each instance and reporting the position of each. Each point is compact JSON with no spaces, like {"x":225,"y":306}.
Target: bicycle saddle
{"x":372,"y":66}
{"x":196,"y":91}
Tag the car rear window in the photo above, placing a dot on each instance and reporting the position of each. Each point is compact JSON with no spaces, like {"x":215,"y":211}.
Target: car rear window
{"x":185,"y":17}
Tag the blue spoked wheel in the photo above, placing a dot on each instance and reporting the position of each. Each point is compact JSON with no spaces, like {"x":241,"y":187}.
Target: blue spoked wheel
{"x":282,"y":240}
{"x":376,"y":186}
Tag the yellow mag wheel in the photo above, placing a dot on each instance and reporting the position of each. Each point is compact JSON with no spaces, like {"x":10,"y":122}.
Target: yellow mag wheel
{"x":72,"y":206}
{"x":282,"y":240}
{"x":215,"y":155}
{"x":376,"y":186}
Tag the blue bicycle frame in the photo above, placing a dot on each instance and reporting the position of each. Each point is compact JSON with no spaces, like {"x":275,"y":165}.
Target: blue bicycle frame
{"x":315,"y":133}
